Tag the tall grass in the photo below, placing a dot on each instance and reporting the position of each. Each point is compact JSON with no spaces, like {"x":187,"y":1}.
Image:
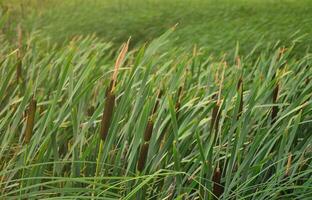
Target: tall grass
{"x":220,"y":129}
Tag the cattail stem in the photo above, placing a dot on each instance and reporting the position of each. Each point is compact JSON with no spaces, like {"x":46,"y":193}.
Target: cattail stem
{"x":31,"y":112}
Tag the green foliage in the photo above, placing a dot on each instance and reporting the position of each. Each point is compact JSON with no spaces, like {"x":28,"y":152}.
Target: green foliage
{"x":259,"y":158}
{"x":229,"y":119}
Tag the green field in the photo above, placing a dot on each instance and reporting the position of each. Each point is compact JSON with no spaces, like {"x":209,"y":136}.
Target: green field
{"x":206,"y":100}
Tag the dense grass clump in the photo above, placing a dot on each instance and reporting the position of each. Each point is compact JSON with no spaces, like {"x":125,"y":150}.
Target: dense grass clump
{"x":183,"y":125}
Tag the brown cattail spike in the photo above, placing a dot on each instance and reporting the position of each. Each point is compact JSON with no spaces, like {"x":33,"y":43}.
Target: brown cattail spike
{"x":288,"y":164}
{"x":240,"y":91}
{"x":148,"y":134}
{"x":218,"y":189}
{"x":19,"y":54}
{"x":275,"y":97}
{"x":107,"y":115}
{"x":215,"y":118}
{"x":143,"y":156}
{"x":31,"y":113}
{"x":148,"y":130}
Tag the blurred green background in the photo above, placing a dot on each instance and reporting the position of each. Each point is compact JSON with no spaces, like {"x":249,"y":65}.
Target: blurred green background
{"x":217,"y":25}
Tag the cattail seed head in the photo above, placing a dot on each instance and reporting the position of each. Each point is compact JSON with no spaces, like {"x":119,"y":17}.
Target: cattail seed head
{"x":218,"y":189}
{"x":31,"y":112}
{"x":240,"y":91}
{"x":19,"y":40}
{"x":215,"y":118}
{"x":107,"y":115}
{"x":143,"y":156}
{"x":288,"y":164}
{"x":110,"y":94}
{"x":148,"y":130}
{"x":275,"y":97}
{"x":148,"y":134}
{"x":19,"y":54}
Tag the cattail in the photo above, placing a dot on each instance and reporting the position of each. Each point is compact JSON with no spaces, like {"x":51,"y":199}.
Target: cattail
{"x":178,"y":102}
{"x":215,"y":117}
{"x":275,"y":108}
{"x":110,"y":94}
{"x":177,"y":108}
{"x":147,"y":135}
{"x":31,"y":113}
{"x":216,"y":110}
{"x":148,"y":130}
{"x":107,"y":114}
{"x":19,"y":54}
{"x":143,"y":156}
{"x":288,"y":164}
{"x":240,"y":91}
{"x":218,"y":189}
